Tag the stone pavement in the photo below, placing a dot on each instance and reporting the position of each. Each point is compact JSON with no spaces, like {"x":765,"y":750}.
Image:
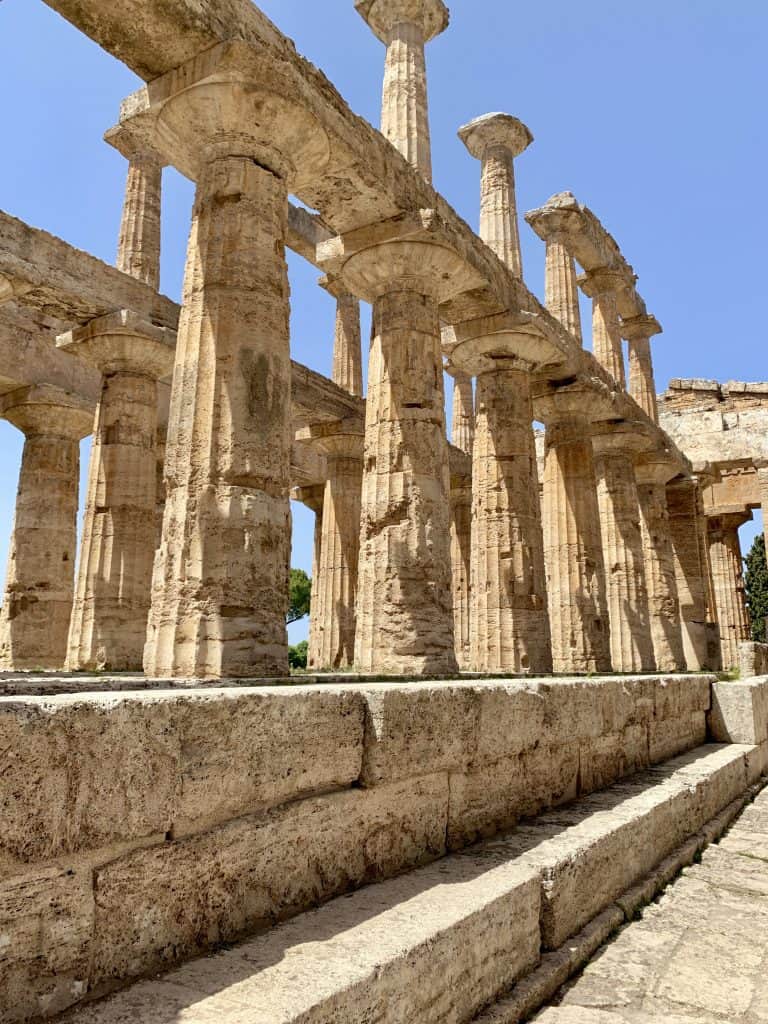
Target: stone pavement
{"x":698,"y":956}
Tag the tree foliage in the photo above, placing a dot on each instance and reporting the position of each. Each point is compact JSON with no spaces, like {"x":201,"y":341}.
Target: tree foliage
{"x":756,"y":584}
{"x":297,"y":654}
{"x":300,"y":595}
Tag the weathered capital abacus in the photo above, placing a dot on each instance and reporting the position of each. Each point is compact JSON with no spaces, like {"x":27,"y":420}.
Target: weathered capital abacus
{"x":232,"y":119}
{"x":109,"y":617}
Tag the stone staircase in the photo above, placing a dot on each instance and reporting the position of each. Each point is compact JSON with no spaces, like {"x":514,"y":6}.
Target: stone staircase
{"x":485,"y":934}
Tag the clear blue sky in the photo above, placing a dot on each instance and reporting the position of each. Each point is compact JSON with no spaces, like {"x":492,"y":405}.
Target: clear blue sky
{"x":653,"y":114}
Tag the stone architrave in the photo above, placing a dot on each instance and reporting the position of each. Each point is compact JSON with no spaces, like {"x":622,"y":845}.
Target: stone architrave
{"x":462,"y":436}
{"x":405,"y":26}
{"x":652,"y":474}
{"x":728,"y":579}
{"x":332,"y":637}
{"x":642,"y":385}
{"x":690,"y":545}
{"x":573,"y":555}
{"x":220,"y":583}
{"x":109,"y":616}
{"x":601,"y":286}
{"x":616,"y":448}
{"x":509,"y":620}
{"x":39,"y":585}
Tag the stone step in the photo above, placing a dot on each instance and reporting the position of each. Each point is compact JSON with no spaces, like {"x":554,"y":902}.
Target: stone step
{"x":438,"y":945}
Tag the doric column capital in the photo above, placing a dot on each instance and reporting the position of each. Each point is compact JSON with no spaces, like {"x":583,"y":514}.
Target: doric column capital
{"x":523,"y":341}
{"x":640,"y":327}
{"x":123,"y":342}
{"x":500,"y":132}
{"x":655,"y":468}
{"x":603,"y":281}
{"x":311,"y":496}
{"x":620,"y":439}
{"x":552,"y":405}
{"x":46,"y":411}
{"x":431,"y":16}
{"x":135,"y":139}
{"x":232,"y":100}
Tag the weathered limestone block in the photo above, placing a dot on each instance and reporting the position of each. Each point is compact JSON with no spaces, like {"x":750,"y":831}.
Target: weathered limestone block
{"x":573,"y":556}
{"x":652,"y":475}
{"x":109,"y":617}
{"x":334,"y":587}
{"x":672,"y":736}
{"x":39,"y":585}
{"x":627,"y":592}
{"x":405,"y":26}
{"x":601,"y":286}
{"x":688,"y":532}
{"x":753,"y":659}
{"x":156,"y":906}
{"x":88,"y":771}
{"x":727,"y":576}
{"x":740,"y":711}
{"x":638,"y":331}
{"x":46,"y":936}
{"x":220,"y":586}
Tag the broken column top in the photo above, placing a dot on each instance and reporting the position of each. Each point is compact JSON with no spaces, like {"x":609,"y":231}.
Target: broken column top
{"x":495,"y":131}
{"x":432,"y":16}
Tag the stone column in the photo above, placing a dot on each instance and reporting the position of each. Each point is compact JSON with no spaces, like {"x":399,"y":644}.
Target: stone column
{"x":642,"y":385}
{"x":405,"y":26}
{"x":109,"y":616}
{"x":652,"y":474}
{"x":347,"y":348}
{"x":561,"y":290}
{"x":332,"y":638}
{"x":762,"y":476}
{"x":601,"y":286}
{"x":615,"y":450}
{"x":573,"y":555}
{"x":220,"y":583}
{"x":690,"y":545}
{"x":312,"y":497}
{"x":37,"y":602}
{"x":462,"y":436}
{"x":138,"y":249}
{"x":510,"y":625}
{"x":728,"y":580}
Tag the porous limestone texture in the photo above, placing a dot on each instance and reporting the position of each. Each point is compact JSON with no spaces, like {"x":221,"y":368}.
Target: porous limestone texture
{"x":573,"y":555}
{"x":728,"y":579}
{"x":463,"y":437}
{"x":109,"y":616}
{"x":143,"y":828}
{"x":39,"y":584}
{"x":642,"y":384}
{"x":652,"y":475}
{"x":138,"y":249}
{"x":601,"y":286}
{"x":739,"y":711}
{"x":561,"y":290}
{"x":753,"y":659}
{"x":697,"y":956}
{"x":347,"y":369}
{"x":626,"y":587}
{"x":690,"y":545}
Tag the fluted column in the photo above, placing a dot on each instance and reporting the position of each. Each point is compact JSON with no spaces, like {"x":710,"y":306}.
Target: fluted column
{"x":642,"y":385}
{"x":728,"y":580}
{"x":463,"y":420}
{"x":347,"y":349}
{"x":462,"y":436}
{"x":652,"y":476}
{"x":138,"y":250}
{"x":762,"y":475}
{"x":690,"y":545}
{"x":601,"y":286}
{"x":220,"y":582}
{"x":405,"y":26}
{"x":626,"y":587}
{"x":312,"y":497}
{"x":561,"y":290}
{"x":39,"y":584}
{"x":573,"y":555}
{"x":109,"y":616}
{"x":332,"y":639}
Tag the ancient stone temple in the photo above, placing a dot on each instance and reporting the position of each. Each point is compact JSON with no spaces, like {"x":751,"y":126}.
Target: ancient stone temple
{"x":512,"y":734}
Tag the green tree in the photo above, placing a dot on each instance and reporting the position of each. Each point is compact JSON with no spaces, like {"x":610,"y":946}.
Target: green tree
{"x":756,"y":584}
{"x":300,"y":595}
{"x":297,"y":655}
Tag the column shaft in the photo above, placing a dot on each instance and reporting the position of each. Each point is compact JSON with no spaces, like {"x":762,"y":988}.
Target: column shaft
{"x":606,"y":335}
{"x":626,"y":588}
{"x":313,"y":497}
{"x":510,"y":629}
{"x":663,"y":602}
{"x":109,"y":617}
{"x":404,"y":617}
{"x":404,"y":105}
{"x":220,"y":586}
{"x":561,"y":290}
{"x":463,"y":421}
{"x":642,"y":386}
{"x":461,"y":550}
{"x":347,"y":351}
{"x":498,"y":207}
{"x":138,"y":251}
{"x":728,"y":579}
{"x":573,"y":555}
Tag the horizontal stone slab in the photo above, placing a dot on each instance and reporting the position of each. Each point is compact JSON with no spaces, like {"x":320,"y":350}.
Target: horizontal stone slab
{"x":740,"y":711}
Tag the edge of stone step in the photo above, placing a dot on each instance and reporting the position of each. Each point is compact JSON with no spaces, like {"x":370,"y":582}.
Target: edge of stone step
{"x":440,"y":943}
